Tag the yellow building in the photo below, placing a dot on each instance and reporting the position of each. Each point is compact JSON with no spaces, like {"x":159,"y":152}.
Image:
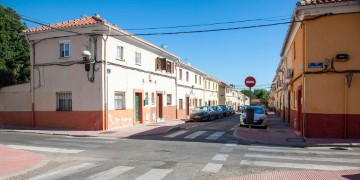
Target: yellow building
{"x":322,"y":49}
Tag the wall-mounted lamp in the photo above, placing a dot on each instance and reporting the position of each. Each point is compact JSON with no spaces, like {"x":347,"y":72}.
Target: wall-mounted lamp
{"x":326,"y":63}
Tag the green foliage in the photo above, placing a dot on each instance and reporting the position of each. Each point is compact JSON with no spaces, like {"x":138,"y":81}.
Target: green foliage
{"x":14,"y":50}
{"x":261,"y":94}
{"x":248,"y":93}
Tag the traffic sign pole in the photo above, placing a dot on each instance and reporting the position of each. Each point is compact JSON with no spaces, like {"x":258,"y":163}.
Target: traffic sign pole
{"x":250,"y":82}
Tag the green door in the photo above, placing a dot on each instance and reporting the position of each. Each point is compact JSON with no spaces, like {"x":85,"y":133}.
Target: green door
{"x":137,"y":114}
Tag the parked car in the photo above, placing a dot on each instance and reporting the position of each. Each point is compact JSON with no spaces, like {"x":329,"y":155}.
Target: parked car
{"x":231,"y":110}
{"x":226,"y":111}
{"x":219,"y":112}
{"x":260,"y":117}
{"x":203,"y":113}
{"x":241,"y":109}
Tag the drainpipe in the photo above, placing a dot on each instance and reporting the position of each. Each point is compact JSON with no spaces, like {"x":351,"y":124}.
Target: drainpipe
{"x":176,"y":89}
{"x":304,"y":107}
{"x":105,"y":124}
{"x":32,"y":46}
{"x":345,"y":109}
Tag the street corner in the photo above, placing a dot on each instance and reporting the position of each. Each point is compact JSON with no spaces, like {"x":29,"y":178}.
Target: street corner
{"x":285,"y":175}
{"x":14,"y":161}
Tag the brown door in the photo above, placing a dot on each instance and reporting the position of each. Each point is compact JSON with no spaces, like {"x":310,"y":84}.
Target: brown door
{"x":187,"y":103}
{"x":299,"y":106}
{"x":138,"y":108}
{"x":159,"y":105}
{"x":196,"y":102}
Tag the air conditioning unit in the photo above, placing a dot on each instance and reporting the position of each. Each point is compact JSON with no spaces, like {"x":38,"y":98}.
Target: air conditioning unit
{"x":289,"y":73}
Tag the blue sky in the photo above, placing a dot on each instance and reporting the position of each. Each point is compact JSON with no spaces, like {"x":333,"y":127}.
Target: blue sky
{"x":230,"y":56}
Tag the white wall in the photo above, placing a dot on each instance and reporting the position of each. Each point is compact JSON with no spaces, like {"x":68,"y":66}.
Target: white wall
{"x":15,"y":98}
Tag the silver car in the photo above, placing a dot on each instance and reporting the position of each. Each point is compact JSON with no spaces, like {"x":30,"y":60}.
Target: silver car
{"x":260,"y":117}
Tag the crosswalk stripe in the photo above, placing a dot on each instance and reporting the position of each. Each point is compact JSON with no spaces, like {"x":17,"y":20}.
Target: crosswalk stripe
{"x":112,"y":173}
{"x":154,"y":174}
{"x":296,"y":165}
{"x":220,"y":157}
{"x":45,"y":149}
{"x":194,"y":135}
{"x":64,"y":172}
{"x":226,"y":149}
{"x":215,"y":135}
{"x":211,"y":167}
{"x":82,"y":140}
{"x":176,"y":134}
{"x":303,"y":158}
{"x":231,"y":143}
{"x":87,"y":145}
{"x":297,"y":151}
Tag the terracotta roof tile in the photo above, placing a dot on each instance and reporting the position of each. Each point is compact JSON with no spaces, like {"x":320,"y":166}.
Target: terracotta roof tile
{"x":315,"y":2}
{"x":66,"y":24}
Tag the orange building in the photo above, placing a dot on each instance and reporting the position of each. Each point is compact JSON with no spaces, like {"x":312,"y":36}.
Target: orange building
{"x":320,"y":61}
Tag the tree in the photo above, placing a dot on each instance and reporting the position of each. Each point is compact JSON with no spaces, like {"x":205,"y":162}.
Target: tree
{"x":248,"y":93}
{"x":261,"y":94}
{"x":14,"y":50}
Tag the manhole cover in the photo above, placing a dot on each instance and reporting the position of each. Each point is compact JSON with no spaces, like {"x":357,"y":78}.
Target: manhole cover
{"x":108,"y":132}
{"x":295,"y":139}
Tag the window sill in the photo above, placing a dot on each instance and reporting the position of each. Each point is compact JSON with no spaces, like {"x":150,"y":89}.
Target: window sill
{"x":123,"y":60}
{"x":120,"y":109}
{"x":138,"y":64}
{"x":65,"y":57}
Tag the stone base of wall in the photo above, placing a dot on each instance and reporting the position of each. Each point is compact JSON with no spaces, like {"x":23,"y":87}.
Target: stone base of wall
{"x":76,"y":120}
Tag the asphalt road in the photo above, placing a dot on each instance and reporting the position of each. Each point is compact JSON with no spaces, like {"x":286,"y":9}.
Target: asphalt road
{"x":196,"y":150}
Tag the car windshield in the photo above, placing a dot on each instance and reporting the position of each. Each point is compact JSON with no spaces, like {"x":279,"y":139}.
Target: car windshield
{"x":258,"y":111}
{"x":223,"y":106}
{"x":200,"y":109}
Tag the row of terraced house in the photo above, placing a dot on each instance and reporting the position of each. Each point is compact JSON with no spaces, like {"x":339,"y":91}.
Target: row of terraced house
{"x":89,"y":74}
{"x":317,"y":83}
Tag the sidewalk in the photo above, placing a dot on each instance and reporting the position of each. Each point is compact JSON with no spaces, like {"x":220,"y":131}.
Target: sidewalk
{"x":123,"y":132}
{"x":14,"y":161}
{"x":308,"y":175}
{"x":278,"y":133}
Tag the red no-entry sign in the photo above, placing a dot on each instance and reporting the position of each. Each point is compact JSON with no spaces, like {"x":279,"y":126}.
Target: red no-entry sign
{"x":250,"y":81}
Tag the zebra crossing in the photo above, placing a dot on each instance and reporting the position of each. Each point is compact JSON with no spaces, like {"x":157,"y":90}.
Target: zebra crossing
{"x":211,"y":136}
{"x":301,"y":158}
{"x":65,"y":145}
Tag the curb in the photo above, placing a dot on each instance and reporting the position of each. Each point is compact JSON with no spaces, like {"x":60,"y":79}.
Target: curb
{"x":306,"y":144}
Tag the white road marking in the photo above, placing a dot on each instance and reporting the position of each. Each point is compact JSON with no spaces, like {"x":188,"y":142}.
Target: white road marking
{"x":215,"y":135}
{"x":81,"y":140}
{"x":64,"y":172}
{"x":231,"y":143}
{"x":226,"y":149}
{"x":194,"y":135}
{"x":296,"y":165}
{"x":213,"y":168}
{"x":298,"y":151}
{"x":303,"y":158}
{"x":46,"y":149}
{"x":176,"y":134}
{"x":154,"y":174}
{"x":87,"y":145}
{"x":112,"y":173}
{"x":220,"y":157}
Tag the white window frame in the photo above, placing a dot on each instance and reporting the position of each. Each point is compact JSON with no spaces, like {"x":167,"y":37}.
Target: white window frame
{"x":65,"y":106}
{"x":117,"y":94}
{"x":64,"y":43}
{"x":168,"y":99}
{"x":137,"y":61}
{"x":120,"y":53}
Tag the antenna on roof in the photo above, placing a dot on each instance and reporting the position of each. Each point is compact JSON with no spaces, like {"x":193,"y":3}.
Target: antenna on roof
{"x":97,"y":15}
